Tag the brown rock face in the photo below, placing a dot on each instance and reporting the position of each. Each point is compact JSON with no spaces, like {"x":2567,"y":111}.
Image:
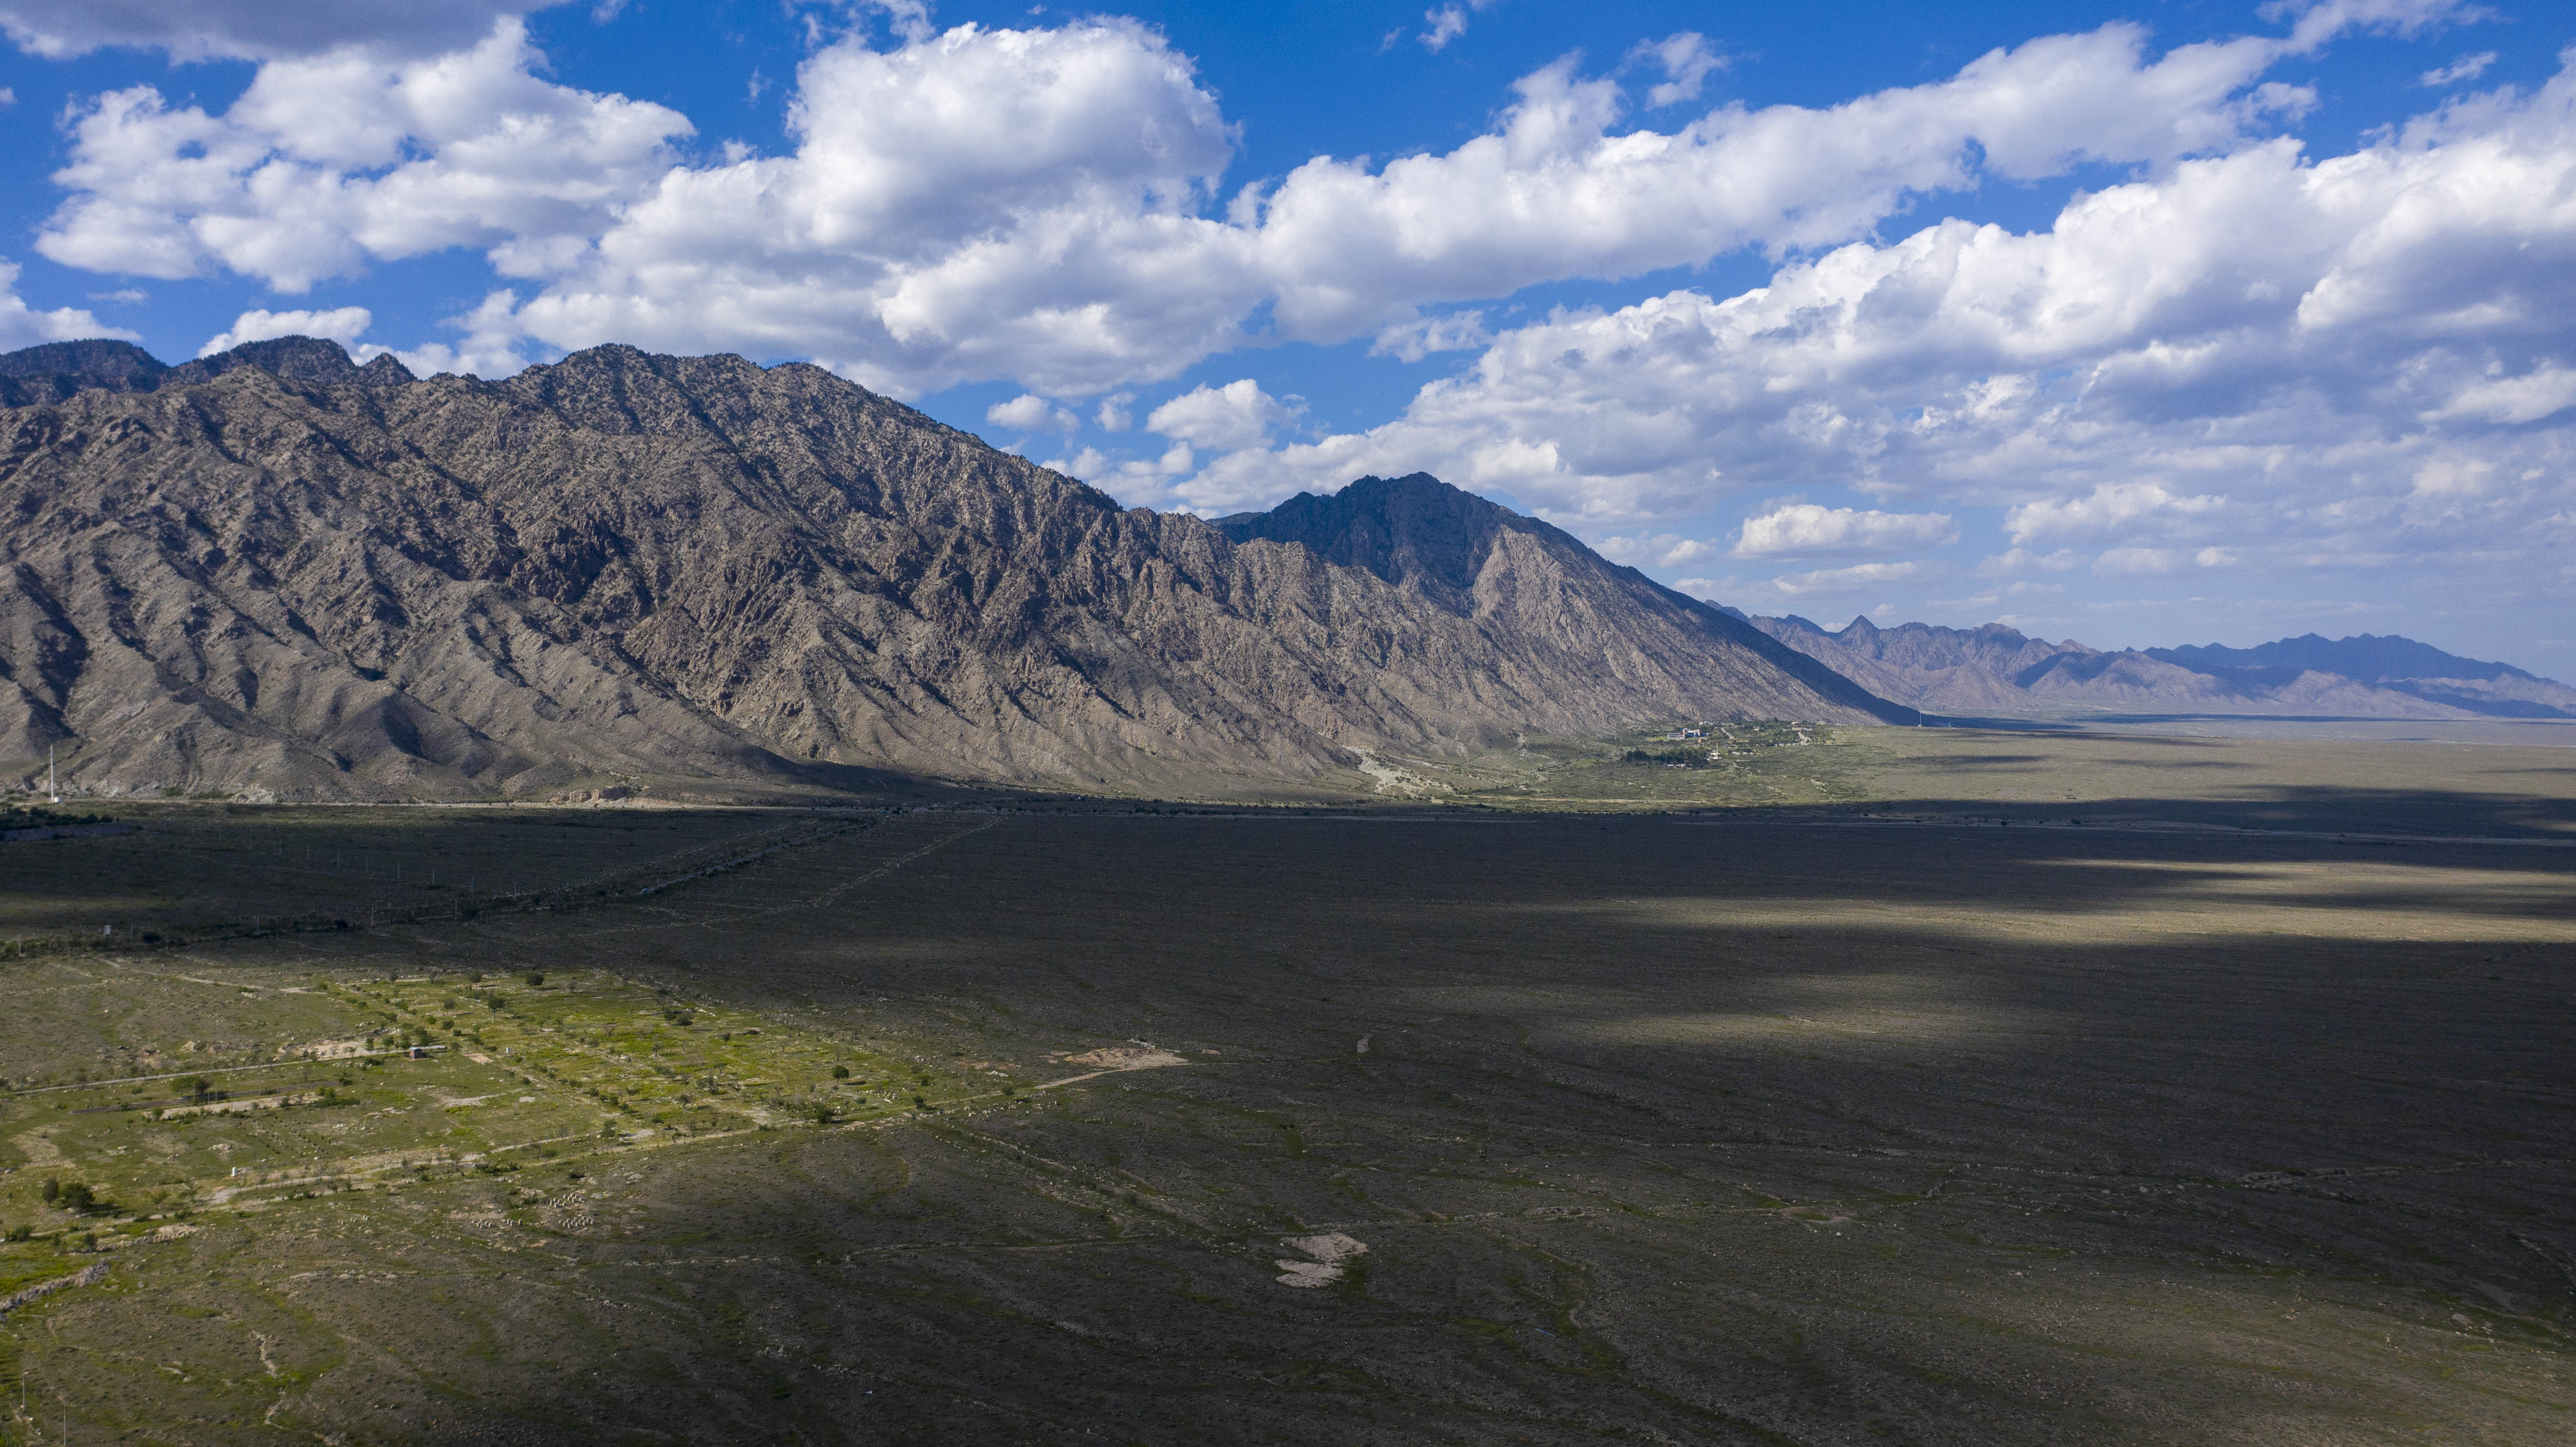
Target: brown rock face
{"x":278,"y":573}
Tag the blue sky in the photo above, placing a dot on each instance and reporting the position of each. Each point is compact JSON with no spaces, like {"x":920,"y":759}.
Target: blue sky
{"x":2139,"y":325}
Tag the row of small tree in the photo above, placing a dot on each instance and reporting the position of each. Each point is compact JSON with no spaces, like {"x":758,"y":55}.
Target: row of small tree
{"x":72,"y":1195}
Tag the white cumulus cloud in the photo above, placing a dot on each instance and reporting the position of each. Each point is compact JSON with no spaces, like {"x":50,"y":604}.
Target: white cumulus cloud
{"x":1806,"y":530}
{"x":325,"y":164}
{"x":981,"y":203}
{"x":1042,"y":205}
{"x":341,"y":324}
{"x":2289,"y":344}
{"x":2110,"y":508}
{"x":2542,"y":392}
{"x":1031,"y":413}
{"x":1663,"y":550}
{"x":493,"y":345}
{"x":1224,"y":419}
{"x":23,"y":326}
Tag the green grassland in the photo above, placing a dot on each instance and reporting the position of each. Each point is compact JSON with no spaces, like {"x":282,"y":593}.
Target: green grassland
{"x":1668,"y":1103}
{"x":1728,"y":765}
{"x":383,"y":1076}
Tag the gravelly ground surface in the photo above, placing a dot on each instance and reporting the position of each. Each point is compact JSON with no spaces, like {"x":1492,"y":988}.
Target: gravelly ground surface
{"x":1654,"y":1129}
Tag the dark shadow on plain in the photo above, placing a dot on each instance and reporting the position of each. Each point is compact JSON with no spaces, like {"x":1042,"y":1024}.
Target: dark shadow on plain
{"x":1749,"y":1133}
{"x":2428,"y":813}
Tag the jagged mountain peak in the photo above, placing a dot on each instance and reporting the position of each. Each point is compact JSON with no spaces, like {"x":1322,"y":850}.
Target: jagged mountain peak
{"x":58,"y":371}
{"x":625,"y":563}
{"x":117,"y":365}
{"x":1412,"y":530}
{"x":53,"y":371}
{"x":316,"y":361}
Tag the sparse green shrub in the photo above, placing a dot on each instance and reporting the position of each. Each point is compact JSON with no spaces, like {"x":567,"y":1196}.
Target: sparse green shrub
{"x":22,"y":1232}
{"x":1671,"y":758}
{"x":840,"y":1072}
{"x":536,"y":980}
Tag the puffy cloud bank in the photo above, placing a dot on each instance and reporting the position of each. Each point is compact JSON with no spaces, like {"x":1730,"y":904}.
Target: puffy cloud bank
{"x":24,"y":326}
{"x":2256,"y":355}
{"x":2242,"y":355}
{"x":1042,"y":205}
{"x":328,"y":163}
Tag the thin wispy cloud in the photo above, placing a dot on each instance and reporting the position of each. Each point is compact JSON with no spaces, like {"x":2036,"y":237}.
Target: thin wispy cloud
{"x":1448,"y":22}
{"x":2466,"y":68}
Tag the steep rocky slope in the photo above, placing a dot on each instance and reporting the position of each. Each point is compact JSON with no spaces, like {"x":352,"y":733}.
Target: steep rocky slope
{"x":1995,"y":669}
{"x":1558,"y":611}
{"x":274,"y":571}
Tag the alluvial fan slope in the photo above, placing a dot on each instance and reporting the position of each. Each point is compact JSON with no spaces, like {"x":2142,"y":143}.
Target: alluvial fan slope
{"x":278,"y":573}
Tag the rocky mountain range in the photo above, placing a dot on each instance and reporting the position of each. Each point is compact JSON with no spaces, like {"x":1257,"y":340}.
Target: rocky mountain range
{"x":273,"y":573}
{"x":1996,"y":670}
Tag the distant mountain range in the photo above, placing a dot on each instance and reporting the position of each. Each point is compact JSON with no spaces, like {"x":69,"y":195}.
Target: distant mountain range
{"x":275,"y":573}
{"x":1994,"y":669}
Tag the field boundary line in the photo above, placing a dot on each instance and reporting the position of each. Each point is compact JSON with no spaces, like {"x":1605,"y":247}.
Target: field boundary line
{"x":834,"y":832}
{"x":86,"y":1276}
{"x":832,"y":894}
{"x":288,"y":1063}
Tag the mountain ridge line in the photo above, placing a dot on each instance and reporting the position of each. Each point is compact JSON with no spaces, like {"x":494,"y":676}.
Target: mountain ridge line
{"x":282,"y":575}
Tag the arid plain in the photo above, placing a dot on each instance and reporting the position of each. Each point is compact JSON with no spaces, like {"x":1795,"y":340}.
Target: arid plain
{"x":1858,"y":1085}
